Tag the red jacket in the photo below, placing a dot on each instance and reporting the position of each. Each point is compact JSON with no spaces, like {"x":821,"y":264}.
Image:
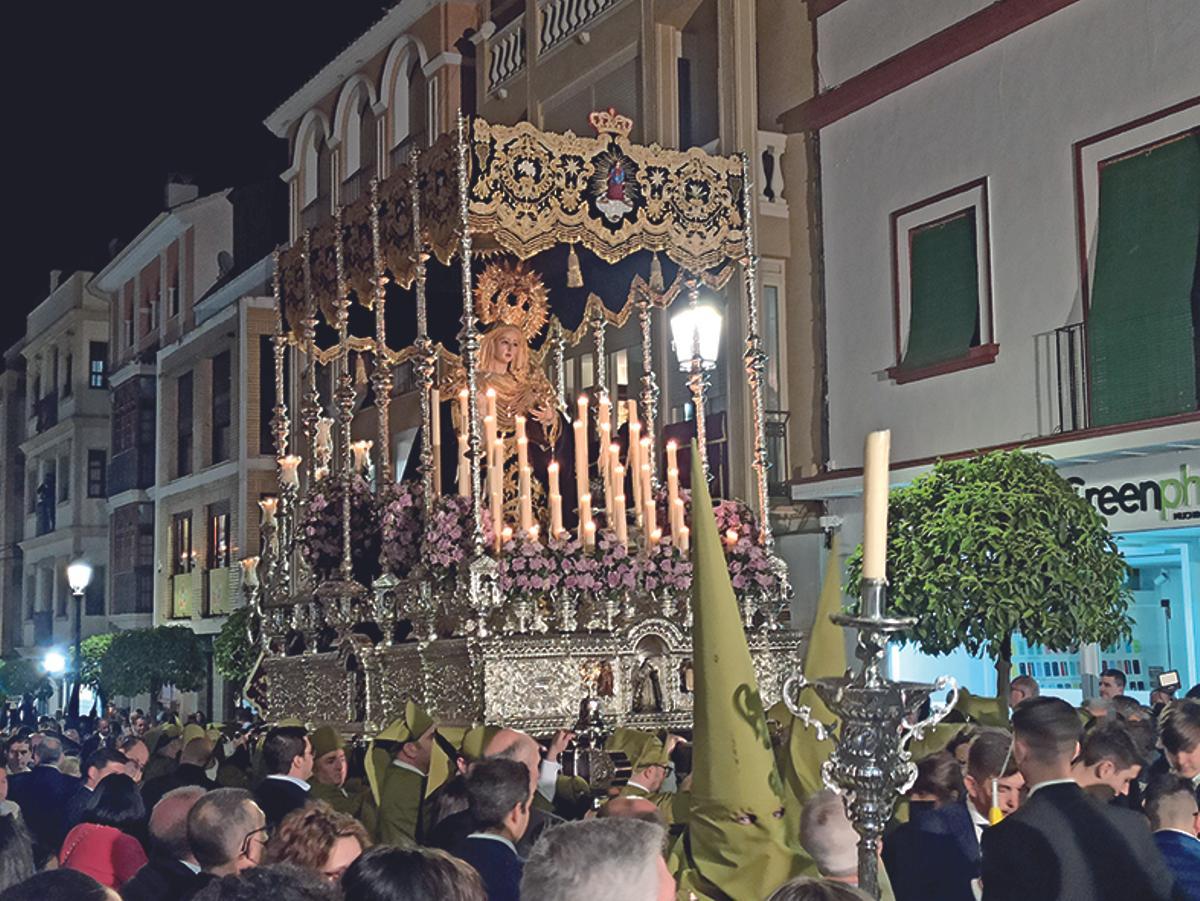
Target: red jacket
{"x":106,"y":854}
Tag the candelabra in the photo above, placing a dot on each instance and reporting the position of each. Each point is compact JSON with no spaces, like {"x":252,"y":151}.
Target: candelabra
{"x":870,"y":764}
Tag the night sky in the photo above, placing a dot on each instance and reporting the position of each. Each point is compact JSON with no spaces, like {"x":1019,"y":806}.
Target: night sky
{"x":107,"y":99}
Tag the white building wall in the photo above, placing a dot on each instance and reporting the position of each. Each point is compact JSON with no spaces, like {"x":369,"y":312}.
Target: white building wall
{"x":1010,"y":113}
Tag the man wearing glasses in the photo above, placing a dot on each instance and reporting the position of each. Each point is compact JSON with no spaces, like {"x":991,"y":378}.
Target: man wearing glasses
{"x":227,"y":832}
{"x":651,"y":764}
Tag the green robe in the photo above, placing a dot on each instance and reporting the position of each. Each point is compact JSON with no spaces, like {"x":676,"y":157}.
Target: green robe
{"x":572,"y":798}
{"x":400,"y":797}
{"x":358,"y":804}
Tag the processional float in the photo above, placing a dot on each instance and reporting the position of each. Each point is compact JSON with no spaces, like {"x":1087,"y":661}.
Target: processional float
{"x":531,"y":555}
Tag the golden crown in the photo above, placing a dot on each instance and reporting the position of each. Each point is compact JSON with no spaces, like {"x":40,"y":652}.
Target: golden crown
{"x":610,"y":122}
{"x":513,"y":295}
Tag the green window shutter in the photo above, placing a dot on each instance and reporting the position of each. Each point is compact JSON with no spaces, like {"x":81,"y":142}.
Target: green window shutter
{"x":944,"y":298}
{"x":1141,"y":323}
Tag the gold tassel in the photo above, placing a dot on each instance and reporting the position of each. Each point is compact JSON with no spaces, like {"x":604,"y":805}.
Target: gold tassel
{"x":574,"y":276}
{"x":656,"y":276}
{"x":360,"y":371}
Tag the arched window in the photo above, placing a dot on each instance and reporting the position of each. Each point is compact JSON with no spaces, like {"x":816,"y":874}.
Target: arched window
{"x":401,"y":117}
{"x":418,"y":104}
{"x":310,"y":165}
{"x":367,"y":137}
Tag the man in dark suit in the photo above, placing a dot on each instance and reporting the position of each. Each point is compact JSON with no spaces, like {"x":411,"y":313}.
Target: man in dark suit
{"x":288,"y":759}
{"x":173,"y":871}
{"x":1062,"y":845}
{"x":42,"y":795}
{"x":102,"y":763}
{"x":1174,"y":815}
{"x":193,"y":761}
{"x":499,"y":795}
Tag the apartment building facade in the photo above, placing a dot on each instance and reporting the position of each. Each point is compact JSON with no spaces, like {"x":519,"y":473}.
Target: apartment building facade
{"x":62,"y":460}
{"x":1009,"y":233}
{"x":12,"y":513}
{"x":189,"y":304}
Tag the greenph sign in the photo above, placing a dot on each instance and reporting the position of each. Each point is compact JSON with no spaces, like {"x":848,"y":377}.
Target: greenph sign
{"x":1133,"y":501}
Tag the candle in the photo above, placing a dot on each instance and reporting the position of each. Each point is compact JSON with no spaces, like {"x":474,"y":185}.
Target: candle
{"x":324,"y":439}
{"x":250,"y":572}
{"x":875,"y":504}
{"x":649,"y":524}
{"x":655,"y":537}
{"x":646,"y":458}
{"x":585,"y":517}
{"x":506,"y":534}
{"x":495,"y":470}
{"x":581,"y":461}
{"x":677,"y":523}
{"x":269,"y":507}
{"x":684,"y":535}
{"x":674,"y":501}
{"x":524,"y":480}
{"x":490,"y":402}
{"x":435,"y":416}
{"x":672,"y":457}
{"x":289,"y":471}
{"x":464,"y":465}
{"x":589,"y":535}
{"x":556,"y":526}
{"x":620,"y":526}
{"x":635,"y":465}
{"x":602,"y":460}
{"x":360,"y":450}
{"x":731,"y":537}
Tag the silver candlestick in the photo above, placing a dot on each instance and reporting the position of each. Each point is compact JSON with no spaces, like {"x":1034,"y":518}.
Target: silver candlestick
{"x":870,"y":764}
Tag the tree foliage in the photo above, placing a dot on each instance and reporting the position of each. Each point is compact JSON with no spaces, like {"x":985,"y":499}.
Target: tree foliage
{"x":22,"y":676}
{"x":143,"y":660}
{"x":93,"y":651}
{"x":233,"y":653}
{"x":982,"y":548}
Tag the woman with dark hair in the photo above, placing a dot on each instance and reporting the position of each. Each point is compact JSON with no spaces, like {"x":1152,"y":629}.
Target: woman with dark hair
{"x":938,"y":828}
{"x":107,"y":844}
{"x":16,"y":851}
{"x":388,"y":873}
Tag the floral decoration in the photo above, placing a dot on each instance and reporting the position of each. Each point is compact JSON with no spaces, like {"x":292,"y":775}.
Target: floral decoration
{"x":321,"y":529}
{"x":401,"y":520}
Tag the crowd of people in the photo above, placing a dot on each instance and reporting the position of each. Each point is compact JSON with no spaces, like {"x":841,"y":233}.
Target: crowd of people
{"x":1045,"y":801}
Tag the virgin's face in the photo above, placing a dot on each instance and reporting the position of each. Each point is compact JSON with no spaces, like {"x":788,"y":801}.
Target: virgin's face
{"x":506,"y":347}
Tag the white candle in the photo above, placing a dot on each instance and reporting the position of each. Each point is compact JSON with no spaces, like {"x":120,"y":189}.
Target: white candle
{"x":677,"y":523}
{"x":289,"y":471}
{"x":648,"y":520}
{"x":585,"y":517}
{"x":490,"y":403}
{"x":673,"y":495}
{"x":635,"y":466}
{"x":360,"y":450}
{"x":506,"y":534}
{"x":556,"y":526}
{"x":464,"y":465}
{"x":435,"y":413}
{"x":589,"y":534}
{"x":875,"y":504}
{"x":684,"y":535}
{"x":619,"y":524}
{"x":495,"y":483}
{"x":524,"y":476}
{"x":645,"y":458}
{"x":602,"y":461}
{"x":581,"y":462}
{"x":250,"y":572}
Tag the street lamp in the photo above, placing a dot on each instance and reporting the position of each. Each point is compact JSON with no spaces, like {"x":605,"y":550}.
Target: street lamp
{"x":79,"y":575}
{"x":54,"y":663}
{"x":696,"y":330}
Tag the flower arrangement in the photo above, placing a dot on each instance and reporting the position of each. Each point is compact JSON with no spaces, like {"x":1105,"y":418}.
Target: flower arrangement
{"x":401,"y":527}
{"x":448,"y":536}
{"x":579,"y":571}
{"x":321,"y":529}
{"x":666,"y":569}
{"x":616,"y":569}
{"x":527,"y":567}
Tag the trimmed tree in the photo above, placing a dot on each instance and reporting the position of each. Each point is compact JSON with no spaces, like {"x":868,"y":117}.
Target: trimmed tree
{"x":233,"y":654}
{"x":142,"y":661}
{"x":22,"y":676}
{"x":983,"y":548}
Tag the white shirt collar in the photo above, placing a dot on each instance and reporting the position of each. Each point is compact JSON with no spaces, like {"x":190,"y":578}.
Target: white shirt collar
{"x":300,"y":782}
{"x":408,"y":766}
{"x":496,"y":838}
{"x":1050,"y":782}
{"x":548,"y":779}
{"x":978,"y":820}
{"x":194,"y":867}
{"x":633,"y":784}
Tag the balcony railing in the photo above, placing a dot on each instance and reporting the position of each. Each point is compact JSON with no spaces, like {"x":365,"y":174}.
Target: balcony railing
{"x":562,"y":19}
{"x":506,"y":53}
{"x":768,"y":180}
{"x":1069,"y":378}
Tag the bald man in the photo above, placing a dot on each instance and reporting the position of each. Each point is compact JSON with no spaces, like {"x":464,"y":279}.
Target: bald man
{"x":227,"y":832}
{"x":172,"y":871}
{"x":633,"y":808}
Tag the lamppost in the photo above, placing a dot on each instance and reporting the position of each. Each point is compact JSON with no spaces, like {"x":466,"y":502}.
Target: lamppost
{"x":696,"y":334}
{"x":79,"y":575}
{"x":54,"y":662}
